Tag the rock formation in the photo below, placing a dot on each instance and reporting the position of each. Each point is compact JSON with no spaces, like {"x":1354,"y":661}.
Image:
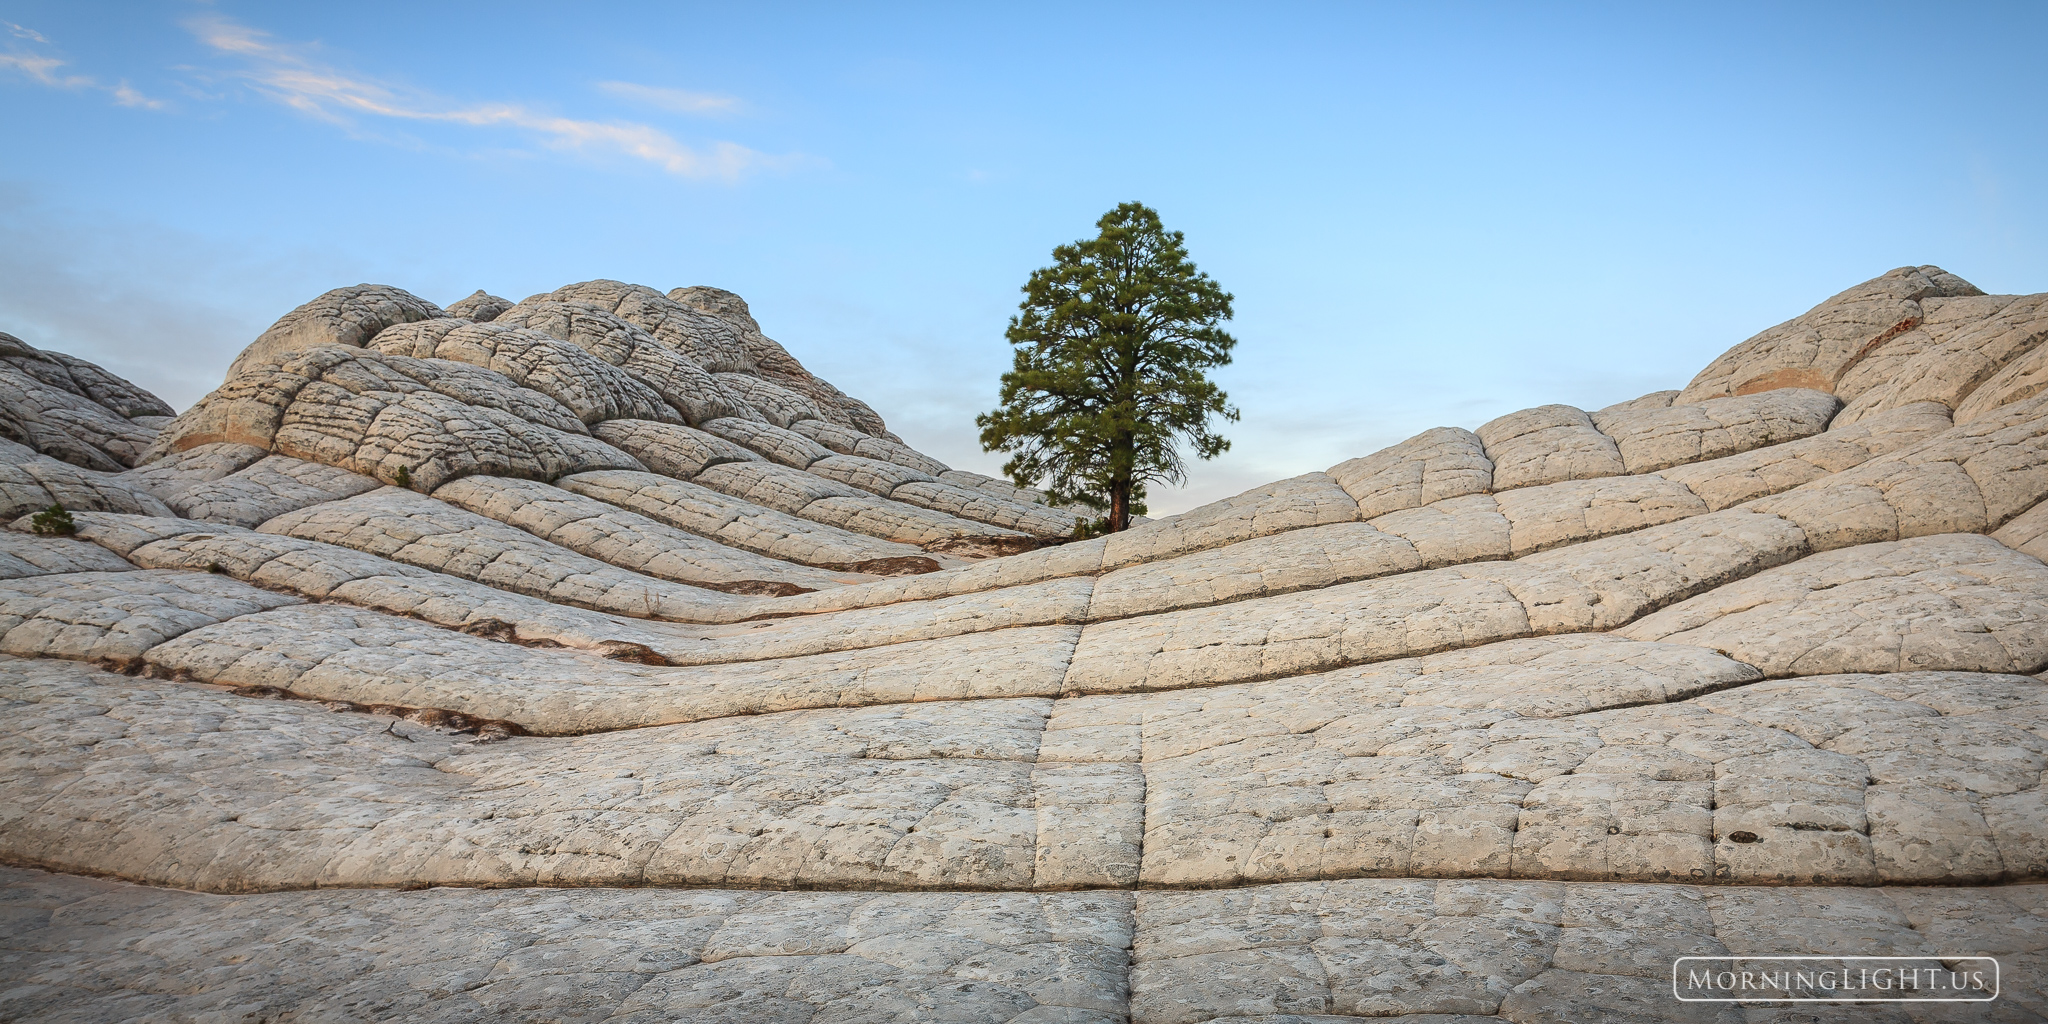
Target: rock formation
{"x":587,"y":658}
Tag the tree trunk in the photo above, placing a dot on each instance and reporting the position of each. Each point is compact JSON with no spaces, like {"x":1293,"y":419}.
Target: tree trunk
{"x":1119,"y":506}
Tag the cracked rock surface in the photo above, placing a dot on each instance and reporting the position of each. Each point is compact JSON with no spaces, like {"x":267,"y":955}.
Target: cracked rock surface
{"x":587,"y":658}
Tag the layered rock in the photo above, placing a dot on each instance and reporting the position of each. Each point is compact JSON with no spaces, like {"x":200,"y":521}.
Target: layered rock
{"x":533,"y":602}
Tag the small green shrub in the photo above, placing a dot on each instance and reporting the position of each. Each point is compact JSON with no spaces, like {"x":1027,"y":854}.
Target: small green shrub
{"x":53,"y":522}
{"x":405,"y":477}
{"x":216,"y":569}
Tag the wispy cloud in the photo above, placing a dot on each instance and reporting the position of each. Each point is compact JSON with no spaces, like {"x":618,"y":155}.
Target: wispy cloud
{"x":678,"y":101}
{"x":290,"y":75}
{"x":45,"y":69}
{"x":125,"y":95}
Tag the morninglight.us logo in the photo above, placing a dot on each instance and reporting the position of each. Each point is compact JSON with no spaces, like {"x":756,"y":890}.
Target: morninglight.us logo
{"x":1834,"y":979}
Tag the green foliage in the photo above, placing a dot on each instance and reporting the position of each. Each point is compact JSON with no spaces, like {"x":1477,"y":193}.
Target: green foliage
{"x":404,"y":478}
{"x":1085,"y":528}
{"x":1112,"y":342}
{"x":53,"y":522}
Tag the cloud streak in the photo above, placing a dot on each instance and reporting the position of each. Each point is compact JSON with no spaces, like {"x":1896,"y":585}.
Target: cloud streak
{"x":290,"y":76}
{"x":44,"y":69}
{"x":677,"y":101}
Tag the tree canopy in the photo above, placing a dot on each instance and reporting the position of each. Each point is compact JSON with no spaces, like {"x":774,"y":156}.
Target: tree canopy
{"x":1113,"y":342}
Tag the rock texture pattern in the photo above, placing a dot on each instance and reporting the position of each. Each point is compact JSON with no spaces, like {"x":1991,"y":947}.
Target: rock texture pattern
{"x":587,"y":658}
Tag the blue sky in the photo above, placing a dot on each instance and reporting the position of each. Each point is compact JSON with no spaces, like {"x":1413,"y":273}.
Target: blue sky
{"x":1429,"y":214}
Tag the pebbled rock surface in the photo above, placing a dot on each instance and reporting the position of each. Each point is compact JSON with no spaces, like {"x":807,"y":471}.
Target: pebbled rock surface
{"x":366,"y":688}
{"x":72,"y":410}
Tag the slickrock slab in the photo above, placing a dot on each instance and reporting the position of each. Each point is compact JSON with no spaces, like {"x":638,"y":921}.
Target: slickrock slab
{"x":968,"y":503}
{"x":385,"y":378}
{"x":1815,"y":349}
{"x":1375,"y":620}
{"x":1082,"y":558}
{"x":811,"y":497}
{"x":777,"y":486}
{"x":1540,"y":518}
{"x":1653,"y":400}
{"x":1971,"y":478}
{"x":591,"y":388}
{"x":324,"y":572}
{"x":30,"y":482}
{"x":901,"y":796}
{"x":629,"y":540}
{"x":245,"y":409}
{"x":242,"y":485}
{"x":578,"y":955}
{"x":95,"y":384}
{"x":776,"y":404}
{"x":948,"y":791}
{"x":1063,"y":601}
{"x":1959,"y":345}
{"x":1539,"y":677}
{"x":1942,"y":319}
{"x":1312,"y":499}
{"x":2028,"y":532}
{"x":1545,"y":677}
{"x":671,"y":374}
{"x":1526,"y":520}
{"x":1299,"y":560}
{"x":1315,"y":558}
{"x":58,"y":421}
{"x":707,"y":340}
{"x":1726,"y":482}
{"x":417,"y":530}
{"x":1450,"y":532}
{"x":373,"y":414}
{"x":1953,"y":798}
{"x":777,"y":444}
{"x":837,"y":436}
{"x":328,"y":652}
{"x":883,"y":478}
{"x":848,"y":441}
{"x":1288,"y":954}
{"x":732,"y":347}
{"x":436,"y":436}
{"x":1468,"y":528}
{"x":1530,"y":951}
{"x":23,"y":555}
{"x":671,"y":449}
{"x":117,"y":616}
{"x":1954,"y":601}
{"x":480,"y":306}
{"x":1595,"y":586}
{"x":773,"y":362}
{"x":62,"y":406}
{"x":886,"y":450}
{"x":742,"y":524}
{"x":1742,"y":785}
{"x":2023,"y":378}
{"x":1436,"y":464}
{"x":1651,"y":439}
{"x":348,"y":317}
{"x":994,"y":485}
{"x":1547,"y":444}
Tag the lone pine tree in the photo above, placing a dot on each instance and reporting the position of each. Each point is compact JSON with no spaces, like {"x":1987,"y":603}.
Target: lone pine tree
{"x":1112,"y":344}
